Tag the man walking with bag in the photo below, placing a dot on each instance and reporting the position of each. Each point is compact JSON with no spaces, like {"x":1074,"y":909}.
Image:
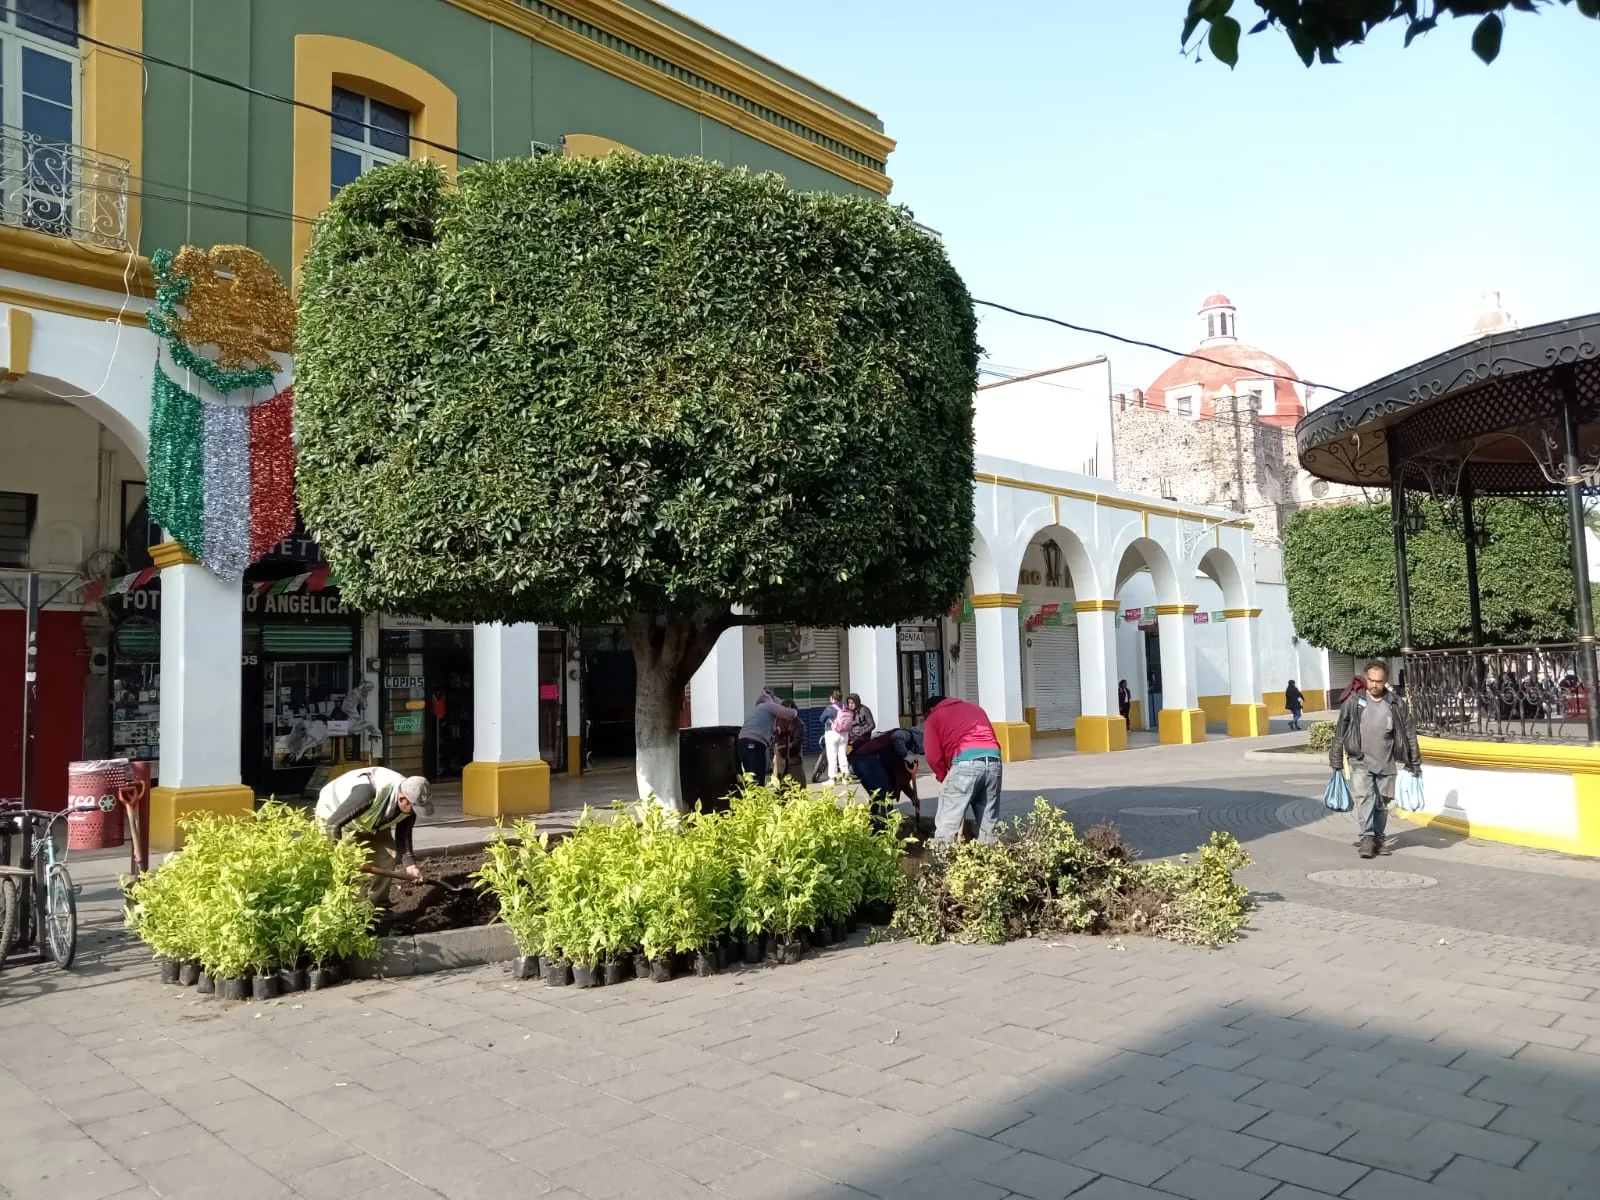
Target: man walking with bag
{"x":1376,"y":730}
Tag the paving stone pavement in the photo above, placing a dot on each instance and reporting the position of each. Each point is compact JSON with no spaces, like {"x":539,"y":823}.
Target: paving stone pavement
{"x":1369,"y":1043}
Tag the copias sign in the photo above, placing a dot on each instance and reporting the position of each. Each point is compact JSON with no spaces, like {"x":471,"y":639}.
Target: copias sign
{"x":659,"y":390}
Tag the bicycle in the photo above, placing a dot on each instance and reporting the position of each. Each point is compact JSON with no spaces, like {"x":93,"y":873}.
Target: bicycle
{"x":38,"y":900}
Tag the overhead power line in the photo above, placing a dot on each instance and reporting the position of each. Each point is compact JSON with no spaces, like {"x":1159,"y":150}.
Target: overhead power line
{"x":1128,"y":341}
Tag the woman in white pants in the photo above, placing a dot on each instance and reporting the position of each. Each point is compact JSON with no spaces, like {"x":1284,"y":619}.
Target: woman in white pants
{"x":835,"y":760}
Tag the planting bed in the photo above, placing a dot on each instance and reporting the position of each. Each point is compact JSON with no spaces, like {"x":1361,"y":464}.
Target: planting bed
{"x":419,"y":908}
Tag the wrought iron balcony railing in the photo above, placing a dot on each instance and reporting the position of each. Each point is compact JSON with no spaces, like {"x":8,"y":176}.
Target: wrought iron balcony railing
{"x":1499,"y":693}
{"x":63,"y":190}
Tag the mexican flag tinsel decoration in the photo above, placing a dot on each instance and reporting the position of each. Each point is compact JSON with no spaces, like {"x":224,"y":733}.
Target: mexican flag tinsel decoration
{"x":221,"y":477}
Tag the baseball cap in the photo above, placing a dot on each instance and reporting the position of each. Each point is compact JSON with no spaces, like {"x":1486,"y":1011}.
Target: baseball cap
{"x":415,"y":789}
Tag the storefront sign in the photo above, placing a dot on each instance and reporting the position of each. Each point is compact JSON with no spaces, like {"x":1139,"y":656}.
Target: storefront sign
{"x":404,"y":681}
{"x":1218,"y":616}
{"x":549,"y":691}
{"x":1132,"y":614}
{"x":1201,"y":618}
{"x":913,"y":639}
{"x":416,"y":705}
{"x":338,"y":728}
{"x":407,"y":723}
{"x":326,"y":603}
{"x":1049,"y":614}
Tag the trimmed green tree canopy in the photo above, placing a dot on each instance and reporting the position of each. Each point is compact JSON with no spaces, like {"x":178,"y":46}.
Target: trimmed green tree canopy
{"x":656,"y":389}
{"x":1320,"y":29}
{"x":1338,"y":563}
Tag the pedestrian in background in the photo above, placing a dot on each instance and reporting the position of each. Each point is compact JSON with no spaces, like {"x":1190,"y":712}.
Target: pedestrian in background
{"x":862,"y":725}
{"x":754,"y":746}
{"x":1294,"y":700}
{"x":964,"y":754}
{"x":1376,"y":731}
{"x":1124,"y":699}
{"x":788,"y":738}
{"x":835,"y":763}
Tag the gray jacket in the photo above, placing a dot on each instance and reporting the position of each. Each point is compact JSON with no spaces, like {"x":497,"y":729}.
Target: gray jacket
{"x":1347,"y":734}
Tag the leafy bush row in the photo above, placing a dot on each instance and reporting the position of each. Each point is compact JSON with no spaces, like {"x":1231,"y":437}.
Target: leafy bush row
{"x":250,"y":895}
{"x":1320,"y":736}
{"x":779,"y":861}
{"x":1041,"y":877}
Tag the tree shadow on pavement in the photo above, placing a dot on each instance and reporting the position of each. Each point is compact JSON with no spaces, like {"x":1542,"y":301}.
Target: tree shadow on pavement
{"x":1248,"y":1100}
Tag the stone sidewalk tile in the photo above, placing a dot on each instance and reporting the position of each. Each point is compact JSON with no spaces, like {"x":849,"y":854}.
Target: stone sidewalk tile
{"x":1561,"y":1162}
{"x":1401,"y":1155}
{"x":1214,"y":1112}
{"x":1316,"y":1171}
{"x":1542,"y":1128}
{"x":1382,"y":1185}
{"x":1132,"y":1161}
{"x":1308,"y":1133}
{"x":1474,"y":1177}
{"x":1033,"y":1175}
{"x":1200,"y":1180}
{"x":1217,"y":1146}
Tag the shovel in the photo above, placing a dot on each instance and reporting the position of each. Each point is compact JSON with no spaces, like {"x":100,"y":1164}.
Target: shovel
{"x":404,"y":878}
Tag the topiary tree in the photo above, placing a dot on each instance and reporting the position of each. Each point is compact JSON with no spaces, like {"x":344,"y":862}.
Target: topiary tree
{"x":1338,"y":564}
{"x":657,"y":390}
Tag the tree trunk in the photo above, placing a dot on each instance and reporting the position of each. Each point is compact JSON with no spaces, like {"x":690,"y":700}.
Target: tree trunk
{"x":667,"y":651}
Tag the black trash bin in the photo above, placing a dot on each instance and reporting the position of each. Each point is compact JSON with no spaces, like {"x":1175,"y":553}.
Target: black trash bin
{"x":708,"y":767}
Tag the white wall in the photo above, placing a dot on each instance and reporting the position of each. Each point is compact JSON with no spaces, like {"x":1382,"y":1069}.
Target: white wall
{"x":1062,"y":421}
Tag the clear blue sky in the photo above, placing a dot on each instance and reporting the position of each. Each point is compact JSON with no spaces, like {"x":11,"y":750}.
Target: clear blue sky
{"x":1077,"y":165}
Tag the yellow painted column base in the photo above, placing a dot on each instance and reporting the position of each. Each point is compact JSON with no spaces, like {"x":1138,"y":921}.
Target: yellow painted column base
{"x":505,"y":789}
{"x":1136,"y":714}
{"x":1016,"y":740}
{"x":1100,"y":735}
{"x":574,"y":754}
{"x":169,"y":805}
{"x":1181,"y":726}
{"x":1247,"y":720}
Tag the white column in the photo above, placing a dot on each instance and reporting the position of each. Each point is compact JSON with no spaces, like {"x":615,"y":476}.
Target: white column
{"x":1097,"y":662}
{"x":875,"y":673}
{"x":999,"y":662}
{"x":1242,"y":683}
{"x":202,"y":647}
{"x":572,"y":681}
{"x":505,"y":693}
{"x":718,"y":693}
{"x":1178,"y":683}
{"x":506,"y":776}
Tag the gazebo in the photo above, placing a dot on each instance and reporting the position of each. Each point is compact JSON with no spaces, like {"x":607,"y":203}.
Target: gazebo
{"x":1510,"y":735}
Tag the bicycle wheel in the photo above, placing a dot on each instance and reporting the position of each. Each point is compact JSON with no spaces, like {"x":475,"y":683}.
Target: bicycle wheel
{"x":60,"y":916}
{"x":10,"y":911}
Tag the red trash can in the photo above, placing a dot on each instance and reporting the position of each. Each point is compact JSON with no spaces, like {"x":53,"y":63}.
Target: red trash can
{"x":96,"y":782}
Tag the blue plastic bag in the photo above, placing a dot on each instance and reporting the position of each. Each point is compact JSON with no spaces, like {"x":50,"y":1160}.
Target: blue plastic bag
{"x":1408,"y":792}
{"x":1337,"y":797}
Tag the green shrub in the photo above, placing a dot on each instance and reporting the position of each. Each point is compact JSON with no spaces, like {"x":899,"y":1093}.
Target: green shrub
{"x":1320,"y":736}
{"x":1041,"y":877}
{"x":254,"y":894}
{"x":516,"y":871}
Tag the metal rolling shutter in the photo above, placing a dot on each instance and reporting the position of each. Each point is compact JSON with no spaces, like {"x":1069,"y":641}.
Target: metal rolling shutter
{"x":1054,"y":689}
{"x":806,"y":683}
{"x":1342,"y":669}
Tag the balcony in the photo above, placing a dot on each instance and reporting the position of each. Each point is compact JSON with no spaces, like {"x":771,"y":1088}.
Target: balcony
{"x":62,"y":190}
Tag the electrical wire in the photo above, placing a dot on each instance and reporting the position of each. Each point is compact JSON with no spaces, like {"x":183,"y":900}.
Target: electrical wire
{"x":1128,"y":341}
{"x":259,"y":93}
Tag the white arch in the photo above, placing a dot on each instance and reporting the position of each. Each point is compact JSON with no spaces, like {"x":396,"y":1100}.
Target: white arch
{"x":1150,"y":554}
{"x":985,"y":573}
{"x":1219,"y":565}
{"x":1086,"y":583}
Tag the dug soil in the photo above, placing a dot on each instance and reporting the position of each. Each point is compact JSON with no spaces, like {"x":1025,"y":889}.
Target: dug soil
{"x":418,"y":908}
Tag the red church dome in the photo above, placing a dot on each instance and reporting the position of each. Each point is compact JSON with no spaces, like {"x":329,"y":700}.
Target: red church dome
{"x":1223,"y":366}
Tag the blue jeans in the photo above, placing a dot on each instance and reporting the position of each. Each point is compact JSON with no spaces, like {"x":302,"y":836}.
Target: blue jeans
{"x":753,"y":757}
{"x":974,"y":784}
{"x":1371,"y":803}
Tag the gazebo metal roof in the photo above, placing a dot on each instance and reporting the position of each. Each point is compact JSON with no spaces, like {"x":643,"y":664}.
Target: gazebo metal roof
{"x":1487,"y":414}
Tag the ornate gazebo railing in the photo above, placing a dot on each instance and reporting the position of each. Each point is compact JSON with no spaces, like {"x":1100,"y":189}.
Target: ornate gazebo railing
{"x":1499,"y":693}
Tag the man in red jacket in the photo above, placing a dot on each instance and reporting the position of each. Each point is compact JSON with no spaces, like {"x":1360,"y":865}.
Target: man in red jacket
{"x":965,"y":757}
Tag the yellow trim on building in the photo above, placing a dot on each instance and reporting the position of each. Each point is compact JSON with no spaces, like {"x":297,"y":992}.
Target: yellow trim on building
{"x":505,"y":789}
{"x":574,"y":754}
{"x":1094,"y":606}
{"x":1181,"y":726}
{"x":1275,"y":703}
{"x":653,"y":36}
{"x":1247,"y":720}
{"x":35,"y":253}
{"x":1232,"y":613}
{"x":1175,"y":610}
{"x":1215,"y":708}
{"x":997,"y":600}
{"x":170,"y":554}
{"x":591,"y":145}
{"x":1101,"y":735}
{"x":59,"y":304}
{"x":1141,"y":506}
{"x":322,"y":63}
{"x":1016,"y":740}
{"x":169,"y":805}
{"x":1512,"y":756}
{"x":19,"y":343}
